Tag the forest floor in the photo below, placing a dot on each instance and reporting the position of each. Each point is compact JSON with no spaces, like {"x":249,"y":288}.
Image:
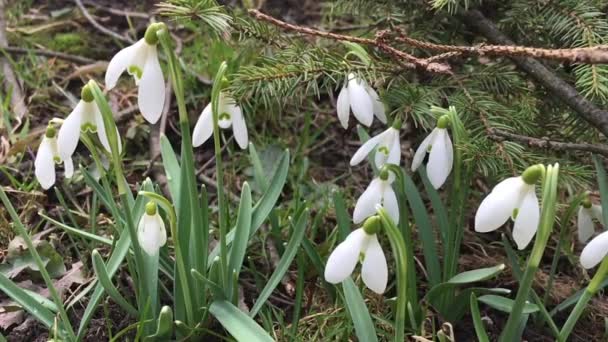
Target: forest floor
{"x":50,"y":84}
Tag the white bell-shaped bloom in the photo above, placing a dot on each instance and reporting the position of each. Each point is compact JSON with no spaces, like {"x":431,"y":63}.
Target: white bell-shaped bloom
{"x":85,"y":117}
{"x":595,"y":251}
{"x":151,"y":232}
{"x":344,"y":258}
{"x":47,"y":157}
{"x":359,"y":97}
{"x":379,"y":192}
{"x":387,"y":146}
{"x":140,"y":60}
{"x":230,"y":114}
{"x":514,"y":197}
{"x":441,"y":155}
{"x":586,"y":227}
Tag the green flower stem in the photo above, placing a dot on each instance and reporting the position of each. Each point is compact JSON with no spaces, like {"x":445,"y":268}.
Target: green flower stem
{"x":400,"y":254}
{"x":65,"y":320}
{"x":215,"y":104}
{"x":593,"y":287}
{"x":549,"y":204}
{"x":189,"y":207}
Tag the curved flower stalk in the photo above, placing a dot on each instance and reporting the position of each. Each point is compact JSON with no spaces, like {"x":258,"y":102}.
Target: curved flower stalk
{"x":379,"y":192}
{"x":140,"y":60}
{"x":386,"y":144}
{"x":85,"y":117}
{"x":47,"y":157}
{"x":514,"y":197}
{"x":151,"y":232}
{"x":344,"y":258}
{"x":586,"y":213}
{"x":230,"y":114}
{"x":358,"y":96}
{"x":441,"y":154}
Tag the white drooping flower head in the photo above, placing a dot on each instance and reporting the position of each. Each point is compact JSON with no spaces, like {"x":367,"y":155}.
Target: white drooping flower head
{"x":47,"y":157}
{"x":386,"y":144}
{"x":362,"y":99}
{"x":151,"y":232}
{"x":441,"y":154}
{"x":514,"y":197}
{"x":379,"y":192}
{"x":140,"y":60}
{"x":84,"y":117}
{"x":344,"y":258}
{"x":230,"y":114}
{"x":595,"y":251}
{"x":586,"y":213}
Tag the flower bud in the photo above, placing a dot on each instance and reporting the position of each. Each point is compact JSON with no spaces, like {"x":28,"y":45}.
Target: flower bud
{"x":86,"y":94}
{"x":151,"y":33}
{"x":397,"y":124}
{"x":443,"y":122}
{"x":51,"y":132}
{"x":533,"y":174}
{"x":384,"y":174}
{"x":372,"y":225}
{"x":151,"y":208}
{"x":586,"y":203}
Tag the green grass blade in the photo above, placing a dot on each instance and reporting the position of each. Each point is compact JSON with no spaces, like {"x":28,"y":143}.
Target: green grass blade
{"x":283,"y":266}
{"x":78,"y":232}
{"x":242,"y":327}
{"x":441,"y":214}
{"x":172,"y":169}
{"x":364,"y":326}
{"x":36,"y":309}
{"x":241,"y":238}
{"x":602,"y":181}
{"x":480,"y":330}
{"x":104,"y":279}
{"x":342,"y":216}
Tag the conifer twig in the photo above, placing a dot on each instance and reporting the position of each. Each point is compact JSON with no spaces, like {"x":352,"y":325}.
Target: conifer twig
{"x":403,"y":58}
{"x":545,"y":143}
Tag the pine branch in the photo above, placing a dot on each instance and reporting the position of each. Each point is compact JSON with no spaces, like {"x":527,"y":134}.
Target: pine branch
{"x":562,"y":90}
{"x":545,"y":143}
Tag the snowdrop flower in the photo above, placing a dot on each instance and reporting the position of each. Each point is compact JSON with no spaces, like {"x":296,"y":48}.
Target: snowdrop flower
{"x":151,"y":232}
{"x":140,"y":60}
{"x":387,"y":145}
{"x":441,"y":155}
{"x":85,"y":117}
{"x":514,"y":197}
{"x":362,"y":99}
{"x":379,"y":192}
{"x":47,"y":157}
{"x":344,"y":258}
{"x":595,"y":251}
{"x":229,"y":115}
{"x":586,"y":213}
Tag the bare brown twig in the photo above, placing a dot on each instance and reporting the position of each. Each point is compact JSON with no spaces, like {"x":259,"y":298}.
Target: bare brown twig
{"x":100,"y":27}
{"x":48,"y":53}
{"x":11,"y":83}
{"x":545,"y":143}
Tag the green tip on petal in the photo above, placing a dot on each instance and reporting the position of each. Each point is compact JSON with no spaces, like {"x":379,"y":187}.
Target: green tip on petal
{"x":533,"y":174}
{"x":443,"y":122}
{"x":86,"y":94}
{"x":384,"y":173}
{"x":397,"y":124}
{"x":372,"y":225}
{"x":151,"y":36}
{"x":150,"y":208}
{"x":51,"y":132}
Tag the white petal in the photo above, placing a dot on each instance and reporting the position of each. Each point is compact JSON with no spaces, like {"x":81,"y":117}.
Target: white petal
{"x":527,"y":219}
{"x":422,"y":150}
{"x":366,"y":204}
{"x":390,"y":203}
{"x":374,"y":270}
{"x":360,"y":102}
{"x":379,"y":111}
{"x":366,"y":148}
{"x":69,"y":133}
{"x":440,"y":159}
{"x":596,"y":212}
{"x":238,"y":125}
{"x":149,"y":234}
{"x":119,"y":63}
{"x":595,"y":251}
{"x":68,"y":168}
{"x":44,"y":165}
{"x":101,"y":129}
{"x":343,"y":107}
{"x":498,"y":206}
{"x":343,"y":259}
{"x":203,"y":128}
{"x":394,"y":154}
{"x":151,"y":96}
{"x":585,"y":224}
{"x":162,"y":230}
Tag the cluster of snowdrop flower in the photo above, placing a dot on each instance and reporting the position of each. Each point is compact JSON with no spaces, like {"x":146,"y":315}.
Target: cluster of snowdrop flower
{"x":141,"y":61}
